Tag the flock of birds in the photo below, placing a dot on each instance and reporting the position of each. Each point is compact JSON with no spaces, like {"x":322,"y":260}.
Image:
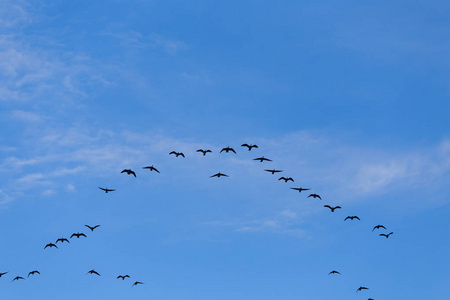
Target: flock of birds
{"x":218,"y":175}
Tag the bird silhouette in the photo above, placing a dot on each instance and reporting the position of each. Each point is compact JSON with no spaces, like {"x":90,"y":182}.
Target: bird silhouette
{"x":1,"y":274}
{"x":106,"y":190}
{"x":203,"y":151}
{"x":332,"y":208}
{"x":361,"y":288}
{"x":17,"y":278}
{"x":286,"y":179}
{"x":62,"y":240}
{"x":177,"y":154}
{"x":218,"y":175}
{"x":315,"y":196}
{"x":128,"y":171}
{"x":151,"y":168}
{"x":370,"y":299}
{"x":249,"y":146}
{"x":378,"y":227}
{"x":273,"y":171}
{"x":51,"y":245}
{"x":228,"y":149}
{"x":300,"y":189}
{"x":334,"y":272}
{"x":33,"y":272}
{"x":77,"y":235}
{"x":93,"y":272}
{"x":136,"y":283}
{"x":261,"y":159}
{"x":92,"y":228}
{"x":351,"y":218}
{"x":123,"y":276}
{"x":385,"y":235}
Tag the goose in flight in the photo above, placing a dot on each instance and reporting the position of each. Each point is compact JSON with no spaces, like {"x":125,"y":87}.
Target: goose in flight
{"x":123,"y":276}
{"x":177,"y":154}
{"x":77,"y":235}
{"x":136,"y":283}
{"x":352,"y":217}
{"x":151,"y":168}
{"x":228,"y":149}
{"x":17,"y":278}
{"x":361,"y":288}
{"x":300,"y":189}
{"x":51,"y":245}
{"x":378,"y":227}
{"x":249,"y":146}
{"x":93,"y":272}
{"x":334,"y":272}
{"x":315,"y":196}
{"x":203,"y":151}
{"x":218,"y":175}
{"x":92,"y":227}
{"x":129,"y":172}
{"x":385,"y":235}
{"x":261,"y":159}
{"x":62,"y":240}
{"x":33,"y":272}
{"x":286,"y":179}
{"x":332,"y":208}
{"x":273,"y":171}
{"x":106,"y":190}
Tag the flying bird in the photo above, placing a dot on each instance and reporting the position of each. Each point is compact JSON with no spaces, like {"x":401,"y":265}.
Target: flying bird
{"x":92,"y":228}
{"x":106,"y":190}
{"x":249,"y":146}
{"x":1,"y":274}
{"x":136,"y":283}
{"x":261,"y":159}
{"x":361,"y":288}
{"x":17,"y":278}
{"x":273,"y":171}
{"x":33,"y":272}
{"x":218,"y":175}
{"x":351,"y":218}
{"x":386,"y":235}
{"x":228,"y":149}
{"x":332,"y":208}
{"x":203,"y":151}
{"x":128,"y":171}
{"x":93,"y":272}
{"x":77,"y":235}
{"x":62,"y":240}
{"x":177,"y":154}
{"x":286,"y":179}
{"x":51,"y":245}
{"x":315,"y":196}
{"x":300,"y":189}
{"x":334,"y":272}
{"x":123,"y":276}
{"x":151,"y":168}
{"x":378,"y":227}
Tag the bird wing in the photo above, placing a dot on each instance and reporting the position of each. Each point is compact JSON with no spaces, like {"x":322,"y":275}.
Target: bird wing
{"x":82,"y":234}
{"x":328,"y":206}
{"x":337,"y":207}
{"x":173,"y":152}
{"x":255,"y":146}
{"x":282,"y":178}
{"x":357,"y":218}
{"x":232,"y":150}
{"x":215,"y":175}
{"x":132,"y":172}
{"x":245,"y":145}
{"x":102,"y":189}
{"x":182,"y":154}
{"x":347,"y":218}
{"x":124,"y":171}
{"x":199,"y":150}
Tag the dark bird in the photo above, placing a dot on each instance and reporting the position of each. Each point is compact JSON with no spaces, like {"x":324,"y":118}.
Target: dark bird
{"x":123,"y":276}
{"x":334,"y":272}
{"x":273,"y":171}
{"x":17,"y":278}
{"x":151,"y":168}
{"x":128,"y":171}
{"x":51,"y":245}
{"x":261,"y":159}
{"x":300,"y":189}
{"x":33,"y":272}
{"x":136,"y":283}
{"x":203,"y":151}
{"x":249,"y":146}
{"x":370,"y":299}
{"x":286,"y":179}
{"x":106,"y":190}
{"x":351,"y":218}
{"x":177,"y":154}
{"x":228,"y":149}
{"x":1,"y":274}
{"x":62,"y":240}
{"x":315,"y":196}
{"x":93,"y":272}
{"x":92,"y":228}
{"x":386,"y":235}
{"x":77,"y":235}
{"x":361,"y":288}
{"x":218,"y":175}
{"x":332,"y":208}
{"x":378,"y":227}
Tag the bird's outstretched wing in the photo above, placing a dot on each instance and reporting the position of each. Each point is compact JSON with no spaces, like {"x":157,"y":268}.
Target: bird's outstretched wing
{"x":173,"y":152}
{"x":328,"y":206}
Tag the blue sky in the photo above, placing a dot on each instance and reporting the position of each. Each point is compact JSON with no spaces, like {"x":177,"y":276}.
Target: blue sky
{"x":348,"y":98}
